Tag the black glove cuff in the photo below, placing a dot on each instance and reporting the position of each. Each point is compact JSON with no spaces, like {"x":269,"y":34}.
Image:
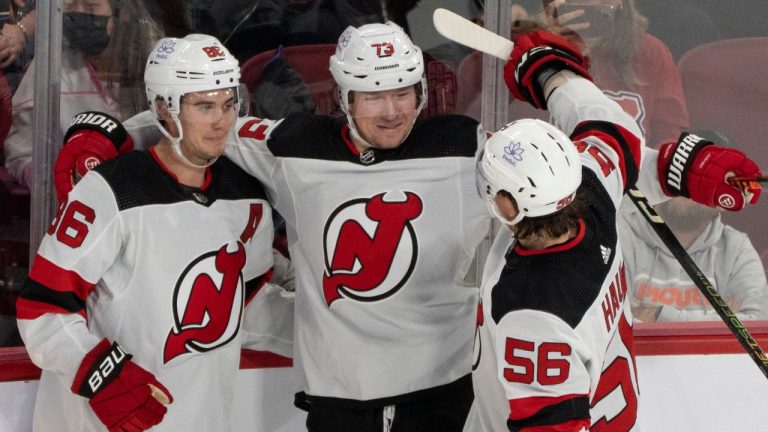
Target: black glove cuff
{"x":554,"y":61}
{"x":103,"y":371}
{"x":544,"y":75}
{"x":103,"y":123}
{"x":680,"y":161}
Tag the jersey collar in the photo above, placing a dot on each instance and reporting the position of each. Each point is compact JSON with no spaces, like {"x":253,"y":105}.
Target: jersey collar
{"x":206,"y":181}
{"x":570,"y":244}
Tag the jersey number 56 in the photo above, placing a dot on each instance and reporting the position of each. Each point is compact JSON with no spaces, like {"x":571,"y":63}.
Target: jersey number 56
{"x":550,"y":368}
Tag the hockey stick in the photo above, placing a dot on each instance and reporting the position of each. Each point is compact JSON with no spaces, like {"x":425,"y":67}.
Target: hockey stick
{"x":747,"y":183}
{"x":762,"y":179}
{"x":465,"y":32}
{"x":702,"y":283}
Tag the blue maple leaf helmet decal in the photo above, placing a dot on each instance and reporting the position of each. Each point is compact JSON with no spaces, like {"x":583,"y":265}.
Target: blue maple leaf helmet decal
{"x":514,"y":150}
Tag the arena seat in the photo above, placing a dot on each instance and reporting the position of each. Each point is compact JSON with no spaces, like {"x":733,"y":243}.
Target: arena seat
{"x":310,"y":61}
{"x":727,"y":92}
{"x":442,"y":86}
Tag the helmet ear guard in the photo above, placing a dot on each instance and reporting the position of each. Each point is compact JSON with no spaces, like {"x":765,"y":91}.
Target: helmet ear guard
{"x":534,"y":162}
{"x":376,"y":57}
{"x":179,"y":66}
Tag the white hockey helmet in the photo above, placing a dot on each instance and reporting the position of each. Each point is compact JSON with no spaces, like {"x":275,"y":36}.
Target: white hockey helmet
{"x":194,"y":63}
{"x":377,"y":57}
{"x":534,"y":162}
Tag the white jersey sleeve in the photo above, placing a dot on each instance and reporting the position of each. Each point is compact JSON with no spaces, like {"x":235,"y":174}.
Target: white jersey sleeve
{"x":609,"y":140}
{"x":80,"y":245}
{"x":543,"y":364}
{"x":143,"y":130}
{"x":248,"y":149}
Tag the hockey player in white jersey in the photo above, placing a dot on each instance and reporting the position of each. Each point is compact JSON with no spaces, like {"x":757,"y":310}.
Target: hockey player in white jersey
{"x":383,"y":221}
{"x":134,"y":306}
{"x":554,"y":346}
{"x":384,"y":320}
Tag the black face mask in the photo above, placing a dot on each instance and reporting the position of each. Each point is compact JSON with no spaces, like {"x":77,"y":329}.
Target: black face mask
{"x":85,"y":32}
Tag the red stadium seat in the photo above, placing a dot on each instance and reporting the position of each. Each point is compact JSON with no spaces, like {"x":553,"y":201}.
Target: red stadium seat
{"x":441,"y":85}
{"x":310,"y":61}
{"x":727,"y":92}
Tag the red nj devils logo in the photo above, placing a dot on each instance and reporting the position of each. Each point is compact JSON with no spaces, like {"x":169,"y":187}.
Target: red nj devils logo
{"x":370,"y":248}
{"x":207,"y":303}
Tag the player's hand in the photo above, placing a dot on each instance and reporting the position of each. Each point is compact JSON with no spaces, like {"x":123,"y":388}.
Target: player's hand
{"x":537,"y":56}
{"x":91,"y":139}
{"x":696,"y":168}
{"x":124,"y":396}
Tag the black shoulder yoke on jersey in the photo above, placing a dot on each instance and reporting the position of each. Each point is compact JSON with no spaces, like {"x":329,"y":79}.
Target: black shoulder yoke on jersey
{"x":137,"y":179}
{"x":564,"y":283}
{"x":308,"y":136}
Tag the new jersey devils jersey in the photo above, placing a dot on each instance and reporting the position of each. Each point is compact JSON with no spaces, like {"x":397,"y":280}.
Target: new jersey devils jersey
{"x":554,"y":343}
{"x":163,"y":270}
{"x":381,"y":242}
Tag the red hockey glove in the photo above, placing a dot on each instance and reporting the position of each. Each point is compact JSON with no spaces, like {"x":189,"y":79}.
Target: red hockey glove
{"x":119,"y":390}
{"x":696,"y":168}
{"x":536,"y":57}
{"x":91,"y":139}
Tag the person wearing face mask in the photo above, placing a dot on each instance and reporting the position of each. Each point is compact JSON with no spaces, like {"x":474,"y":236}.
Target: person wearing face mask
{"x":104,"y":44}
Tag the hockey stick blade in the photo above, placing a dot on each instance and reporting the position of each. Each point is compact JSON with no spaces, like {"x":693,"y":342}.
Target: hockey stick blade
{"x":461,"y":30}
{"x":702,"y":283}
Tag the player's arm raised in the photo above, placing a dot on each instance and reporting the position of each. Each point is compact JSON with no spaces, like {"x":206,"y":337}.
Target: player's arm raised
{"x":541,"y":68}
{"x":547,"y":71}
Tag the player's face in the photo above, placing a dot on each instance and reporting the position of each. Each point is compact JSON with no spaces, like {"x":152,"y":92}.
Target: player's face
{"x":684,"y":215}
{"x":206,"y":119}
{"x":384,"y":118}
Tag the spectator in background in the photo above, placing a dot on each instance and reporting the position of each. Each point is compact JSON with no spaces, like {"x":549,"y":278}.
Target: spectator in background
{"x":631,"y":67}
{"x":248,"y":28}
{"x":680,"y":24}
{"x":660,"y":288}
{"x":105,"y":47}
{"x":17,"y":36}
